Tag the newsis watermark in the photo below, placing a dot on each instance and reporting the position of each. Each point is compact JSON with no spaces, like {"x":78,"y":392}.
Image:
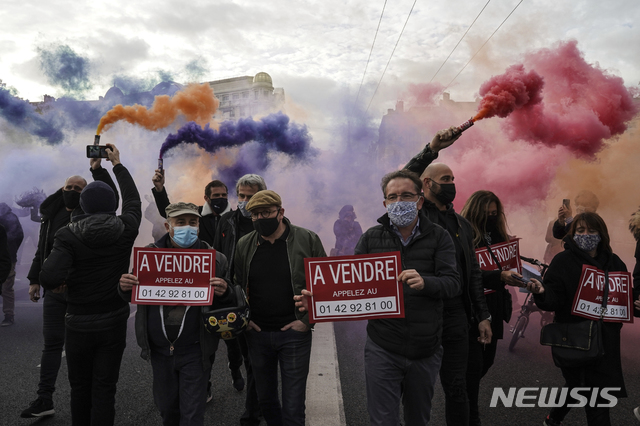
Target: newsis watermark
{"x":553,"y":397}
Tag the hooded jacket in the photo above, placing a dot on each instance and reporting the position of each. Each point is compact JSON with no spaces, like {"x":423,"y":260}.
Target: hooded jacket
{"x":432,"y":255}
{"x":12,"y":227}
{"x":207,"y":342}
{"x":561,"y":283}
{"x":90,"y":255}
{"x":48,"y":210}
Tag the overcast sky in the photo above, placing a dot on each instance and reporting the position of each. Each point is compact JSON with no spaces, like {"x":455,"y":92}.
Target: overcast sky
{"x":315,"y":50}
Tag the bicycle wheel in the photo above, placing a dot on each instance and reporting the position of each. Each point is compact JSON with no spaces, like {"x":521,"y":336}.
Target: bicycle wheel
{"x":518,"y":331}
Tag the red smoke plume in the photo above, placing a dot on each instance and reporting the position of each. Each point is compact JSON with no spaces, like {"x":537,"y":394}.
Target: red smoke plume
{"x":583,"y":104}
{"x":508,"y":92}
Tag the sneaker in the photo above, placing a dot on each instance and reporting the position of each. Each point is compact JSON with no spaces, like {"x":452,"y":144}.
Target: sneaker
{"x":237,"y":379}
{"x":209,"y":394}
{"x":39,"y":408}
{"x":550,"y":422}
{"x":7,"y":321}
{"x":636,"y":411}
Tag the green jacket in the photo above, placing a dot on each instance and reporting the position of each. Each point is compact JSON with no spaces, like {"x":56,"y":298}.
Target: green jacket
{"x":301,"y":244}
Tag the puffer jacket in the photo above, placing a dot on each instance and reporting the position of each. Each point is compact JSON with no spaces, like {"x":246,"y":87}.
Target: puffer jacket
{"x":208,"y":342}
{"x":13,"y":228}
{"x":432,"y":255}
{"x":301,"y":243}
{"x":89,"y":256}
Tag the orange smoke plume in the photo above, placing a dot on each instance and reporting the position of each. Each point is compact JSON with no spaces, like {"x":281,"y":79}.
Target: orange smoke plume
{"x":196,"y":102}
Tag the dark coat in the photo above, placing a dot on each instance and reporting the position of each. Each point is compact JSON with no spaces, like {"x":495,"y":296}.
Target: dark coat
{"x":91,"y":253}
{"x":636,"y":278}
{"x":208,"y":342}
{"x":561,"y":284}
{"x":5,"y":258}
{"x":228,"y":234}
{"x":432,"y":254}
{"x":472,"y":291}
{"x":48,"y":210}
{"x":208,"y":222}
{"x":12,"y":226}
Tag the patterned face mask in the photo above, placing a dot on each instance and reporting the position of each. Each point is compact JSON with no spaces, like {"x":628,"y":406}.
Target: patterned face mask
{"x":402,"y":213}
{"x":587,"y":242}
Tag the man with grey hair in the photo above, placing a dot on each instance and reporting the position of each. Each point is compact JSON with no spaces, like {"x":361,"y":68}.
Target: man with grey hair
{"x":233,"y":226}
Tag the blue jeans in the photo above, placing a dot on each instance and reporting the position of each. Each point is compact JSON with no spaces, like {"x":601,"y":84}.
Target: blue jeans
{"x":390,"y":376}
{"x":54,"y":307}
{"x":291,"y":350}
{"x":93,"y":360}
{"x":180,"y":387}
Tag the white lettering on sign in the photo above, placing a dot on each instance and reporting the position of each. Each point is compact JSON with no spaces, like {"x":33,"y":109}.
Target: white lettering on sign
{"x":179,"y":263}
{"x":144,"y":264}
{"x":358,"y":272}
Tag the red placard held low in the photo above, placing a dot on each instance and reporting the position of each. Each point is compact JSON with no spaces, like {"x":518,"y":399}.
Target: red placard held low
{"x":588,"y":299}
{"x":356,"y":287}
{"x":508,"y":254}
{"x":173,"y":276}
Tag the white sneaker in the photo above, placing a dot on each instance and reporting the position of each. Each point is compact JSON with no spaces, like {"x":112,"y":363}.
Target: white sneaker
{"x":636,"y":411}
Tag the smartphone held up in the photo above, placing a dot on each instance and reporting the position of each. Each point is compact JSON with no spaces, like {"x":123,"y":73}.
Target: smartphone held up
{"x":97,"y":151}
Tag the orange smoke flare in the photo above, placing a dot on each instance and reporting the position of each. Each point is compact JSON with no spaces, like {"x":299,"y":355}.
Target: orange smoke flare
{"x":196,"y":102}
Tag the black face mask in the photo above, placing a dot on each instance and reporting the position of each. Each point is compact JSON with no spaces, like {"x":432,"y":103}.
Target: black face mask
{"x":218,"y":205}
{"x":447,"y":193}
{"x":492,"y":223}
{"x":71,"y":199}
{"x":266,"y":227}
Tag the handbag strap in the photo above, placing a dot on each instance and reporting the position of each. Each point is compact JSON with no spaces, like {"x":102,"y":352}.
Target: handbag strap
{"x":493,"y":256}
{"x":605,"y":294}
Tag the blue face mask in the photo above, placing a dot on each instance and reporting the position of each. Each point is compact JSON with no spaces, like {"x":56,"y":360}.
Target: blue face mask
{"x":242,"y":205}
{"x":185,"y":236}
{"x":402,"y":213}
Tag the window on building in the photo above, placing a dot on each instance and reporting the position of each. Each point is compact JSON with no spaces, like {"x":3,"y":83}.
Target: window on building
{"x":256,"y":93}
{"x":266,"y":93}
{"x":245,"y":95}
{"x":236,"y":96}
{"x":225,"y":98}
{"x":242,"y":111}
{"x":232,"y":113}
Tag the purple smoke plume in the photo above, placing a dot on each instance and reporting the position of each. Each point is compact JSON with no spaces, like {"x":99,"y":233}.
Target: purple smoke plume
{"x":257,"y":138}
{"x":32,"y":198}
{"x":22,"y":115}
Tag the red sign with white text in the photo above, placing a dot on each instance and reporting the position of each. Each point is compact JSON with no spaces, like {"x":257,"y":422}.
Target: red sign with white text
{"x":173,"y":276}
{"x":356,"y":287}
{"x":508,"y":254}
{"x":588,"y":299}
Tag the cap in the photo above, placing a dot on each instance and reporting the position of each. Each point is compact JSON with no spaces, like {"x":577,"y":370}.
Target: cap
{"x":177,"y":209}
{"x":264,"y":198}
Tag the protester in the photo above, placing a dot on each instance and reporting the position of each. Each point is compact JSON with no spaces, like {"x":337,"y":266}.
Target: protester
{"x":56,"y":212}
{"x":233,"y":226}
{"x":467,"y":309}
{"x":403,"y":356}
{"x":347,"y":231}
{"x":216,"y":204}
{"x":586,"y":244}
{"x":269,"y":265}
{"x":634,"y":227}
{"x":88,"y":258}
{"x":152,"y":215}
{"x":12,"y":227}
{"x":485,"y":213}
{"x":585,"y":201}
{"x":5,"y":257}
{"x":174,"y":338}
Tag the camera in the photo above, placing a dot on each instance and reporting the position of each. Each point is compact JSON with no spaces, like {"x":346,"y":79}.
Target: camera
{"x":97,"y":151}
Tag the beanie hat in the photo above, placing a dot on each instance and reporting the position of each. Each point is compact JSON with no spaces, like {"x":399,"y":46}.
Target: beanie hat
{"x":98,"y":197}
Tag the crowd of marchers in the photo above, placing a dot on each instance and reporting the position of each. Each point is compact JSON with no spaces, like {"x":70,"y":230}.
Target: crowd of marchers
{"x":454,"y":311}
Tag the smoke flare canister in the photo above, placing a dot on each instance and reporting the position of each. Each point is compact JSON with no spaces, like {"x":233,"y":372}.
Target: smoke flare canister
{"x":96,"y":140}
{"x":464,"y":126}
{"x":160,"y":163}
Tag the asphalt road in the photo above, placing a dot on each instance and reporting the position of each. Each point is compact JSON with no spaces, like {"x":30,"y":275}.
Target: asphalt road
{"x":529,"y":366}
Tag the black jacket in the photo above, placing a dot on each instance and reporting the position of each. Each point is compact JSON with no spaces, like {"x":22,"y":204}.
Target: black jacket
{"x":636,"y":278}
{"x":472,"y":290}
{"x":432,"y":254}
{"x":208,"y":342}
{"x":208,"y":222}
{"x":559,"y":230}
{"x":561,"y":284}
{"x":228,"y":234}
{"x":48,"y":209}
{"x":12,"y":226}
{"x":500,"y":302}
{"x":5,"y":259}
{"x":91,"y":253}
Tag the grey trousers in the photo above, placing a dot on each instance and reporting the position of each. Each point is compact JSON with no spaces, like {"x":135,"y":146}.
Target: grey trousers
{"x":390,"y":377}
{"x":8,"y":295}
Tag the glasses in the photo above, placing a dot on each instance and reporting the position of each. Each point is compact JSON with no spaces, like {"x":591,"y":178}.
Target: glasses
{"x":263,"y":215}
{"x":405,"y":196}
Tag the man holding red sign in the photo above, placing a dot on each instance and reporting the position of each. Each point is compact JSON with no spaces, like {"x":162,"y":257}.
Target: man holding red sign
{"x":174,"y":338}
{"x":403,"y":355}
